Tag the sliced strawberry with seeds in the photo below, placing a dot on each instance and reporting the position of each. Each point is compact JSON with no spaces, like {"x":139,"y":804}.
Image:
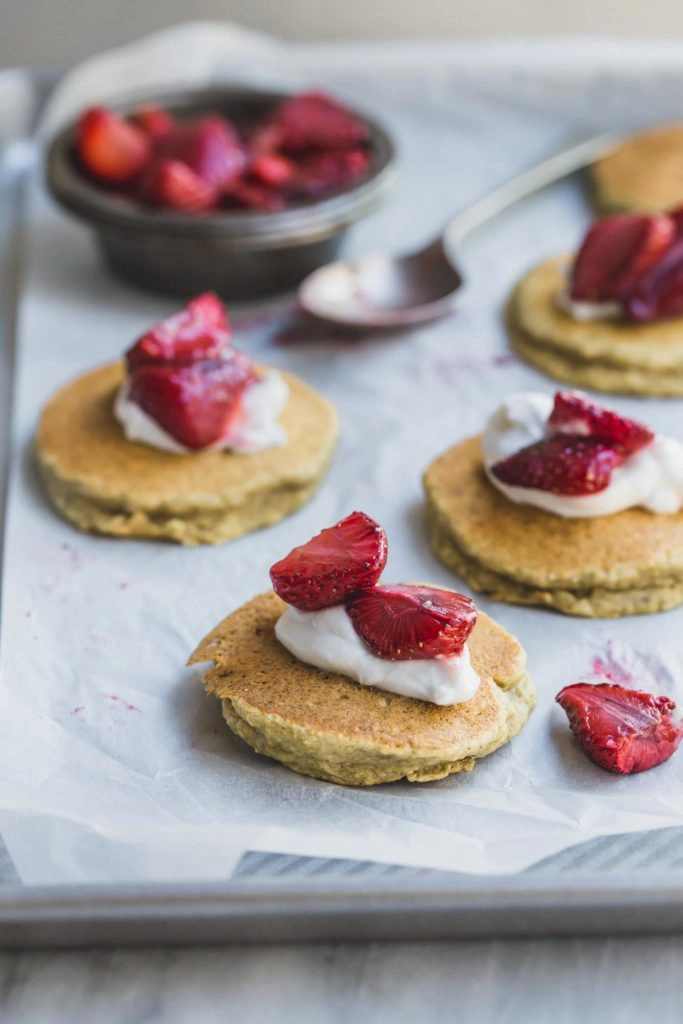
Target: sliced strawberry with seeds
{"x":575,"y":415}
{"x":111,"y":149}
{"x":412,"y":622}
{"x":338,"y":562}
{"x":572,"y":466}
{"x":621,"y":730}
{"x":314,"y":120}
{"x":172,"y":184}
{"x":615,"y":254}
{"x":197,"y":404}
{"x":198,"y":332}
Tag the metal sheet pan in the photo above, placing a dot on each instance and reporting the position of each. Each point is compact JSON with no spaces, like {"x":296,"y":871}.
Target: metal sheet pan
{"x":620,"y":884}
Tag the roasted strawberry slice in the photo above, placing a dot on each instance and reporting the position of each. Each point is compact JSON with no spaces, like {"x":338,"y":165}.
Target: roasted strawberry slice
{"x":327,"y":172}
{"x":312,"y":120}
{"x":249,"y":195}
{"x":156,"y":122}
{"x":213,"y":150}
{"x":561,"y":464}
{"x":111,"y":149}
{"x":659,"y":292}
{"x":197,"y":404}
{"x":335,"y":564}
{"x":621,"y":730}
{"x":411,"y":622}
{"x":272,"y":169}
{"x":576,"y":416}
{"x":172,"y":184}
{"x":615,"y":254}
{"x":198,"y":332}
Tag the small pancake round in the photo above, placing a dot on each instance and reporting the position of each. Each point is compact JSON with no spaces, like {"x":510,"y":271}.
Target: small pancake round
{"x":103,"y":483}
{"x":332,"y":728}
{"x":629,"y":563}
{"x":645,"y":173}
{"x":628,"y":358}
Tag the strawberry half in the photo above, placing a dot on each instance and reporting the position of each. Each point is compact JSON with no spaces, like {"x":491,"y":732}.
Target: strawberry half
{"x":156,"y":122}
{"x":575,"y":415}
{"x":616,"y":252}
{"x":212,"y":149}
{"x":659,"y":292}
{"x":561,"y":464}
{"x":172,"y":184}
{"x":335,"y":564}
{"x":200,"y":331}
{"x":408,"y":622}
{"x":312,"y":121}
{"x":198,"y":404}
{"x":621,"y":730}
{"x":111,"y":149}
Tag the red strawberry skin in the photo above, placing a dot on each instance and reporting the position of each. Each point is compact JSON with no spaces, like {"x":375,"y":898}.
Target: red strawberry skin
{"x":315,"y":121}
{"x":174,"y":185}
{"x":412,"y":622}
{"x":615,"y":254}
{"x":575,"y":415}
{"x":197,"y":404}
{"x":624,"y":731}
{"x":200,"y":331}
{"x":340,"y":561}
{"x":156,"y":122}
{"x":327,"y":172}
{"x":111,"y":149}
{"x":659,"y":293}
{"x":572,"y":466}
{"x":212,"y":149}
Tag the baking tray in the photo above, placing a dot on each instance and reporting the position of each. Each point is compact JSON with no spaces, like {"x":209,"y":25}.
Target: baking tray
{"x":627,"y":884}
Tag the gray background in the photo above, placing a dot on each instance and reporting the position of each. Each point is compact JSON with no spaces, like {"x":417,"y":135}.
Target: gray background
{"x":57,"y":32}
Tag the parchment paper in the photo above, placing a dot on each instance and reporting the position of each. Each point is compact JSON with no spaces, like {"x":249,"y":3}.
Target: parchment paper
{"x":115,"y":765}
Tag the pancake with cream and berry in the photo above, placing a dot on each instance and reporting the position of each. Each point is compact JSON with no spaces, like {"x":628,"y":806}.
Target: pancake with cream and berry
{"x":349,"y":681}
{"x":612,"y":318}
{"x":187,"y":440}
{"x":565,"y":504}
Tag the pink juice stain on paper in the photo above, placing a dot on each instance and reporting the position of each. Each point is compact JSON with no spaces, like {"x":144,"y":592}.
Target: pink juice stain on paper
{"x":121,"y":702}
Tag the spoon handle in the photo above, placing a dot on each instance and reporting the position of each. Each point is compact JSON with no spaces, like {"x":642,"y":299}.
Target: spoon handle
{"x":553,"y":169}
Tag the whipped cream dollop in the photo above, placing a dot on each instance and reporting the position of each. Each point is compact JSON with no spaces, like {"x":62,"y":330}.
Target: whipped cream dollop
{"x":262,"y":401}
{"x":650,"y":479}
{"x":579,"y":309}
{"x":327,"y":640}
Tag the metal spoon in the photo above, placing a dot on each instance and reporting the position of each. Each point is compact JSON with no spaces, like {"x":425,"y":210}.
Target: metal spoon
{"x":380,"y":290}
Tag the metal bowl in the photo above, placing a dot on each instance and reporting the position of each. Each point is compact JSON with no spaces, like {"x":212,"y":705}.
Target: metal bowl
{"x":238,"y":254}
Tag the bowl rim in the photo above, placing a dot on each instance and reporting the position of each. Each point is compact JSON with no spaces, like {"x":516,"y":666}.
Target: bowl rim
{"x":92,"y":203}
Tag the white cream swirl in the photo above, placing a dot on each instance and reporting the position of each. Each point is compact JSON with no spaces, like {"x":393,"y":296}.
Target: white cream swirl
{"x":263,"y":401}
{"x":327,"y":640}
{"x":650,"y":479}
{"x":584,"y":312}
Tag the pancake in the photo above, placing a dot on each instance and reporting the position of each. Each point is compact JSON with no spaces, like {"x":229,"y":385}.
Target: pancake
{"x":616,"y":356}
{"x":332,"y":728}
{"x":103,"y":483}
{"x":629,"y":563}
{"x":645,"y":173}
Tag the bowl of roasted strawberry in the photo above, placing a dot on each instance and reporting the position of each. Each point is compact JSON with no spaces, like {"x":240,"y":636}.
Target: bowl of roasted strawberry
{"x":236,"y":190}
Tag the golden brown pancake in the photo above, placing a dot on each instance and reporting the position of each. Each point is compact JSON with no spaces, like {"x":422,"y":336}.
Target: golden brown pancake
{"x":332,"y":728}
{"x":625,"y":564}
{"x":645,"y":173}
{"x":638,"y":359}
{"x":103,"y":483}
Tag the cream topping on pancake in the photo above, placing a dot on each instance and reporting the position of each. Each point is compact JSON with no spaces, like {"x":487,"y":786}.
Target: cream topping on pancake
{"x":652,"y":478}
{"x":584,"y":312}
{"x":327,"y":640}
{"x":263,"y":401}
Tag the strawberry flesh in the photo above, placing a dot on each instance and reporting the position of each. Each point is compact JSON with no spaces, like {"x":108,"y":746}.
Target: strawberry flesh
{"x":619,"y":729}
{"x":575,"y":415}
{"x":327,"y":172}
{"x":615,"y":254}
{"x":412,"y":622}
{"x":314,"y":120}
{"x":333,"y":565}
{"x":572,"y":466}
{"x":198,"y":404}
{"x":200,"y":331}
{"x":111,"y":149}
{"x":212,"y":149}
{"x":174,"y":185}
{"x":156,"y":122}
{"x":659,"y":293}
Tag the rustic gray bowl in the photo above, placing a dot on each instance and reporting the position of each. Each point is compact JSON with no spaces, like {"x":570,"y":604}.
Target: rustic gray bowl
{"x":238,"y":254}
